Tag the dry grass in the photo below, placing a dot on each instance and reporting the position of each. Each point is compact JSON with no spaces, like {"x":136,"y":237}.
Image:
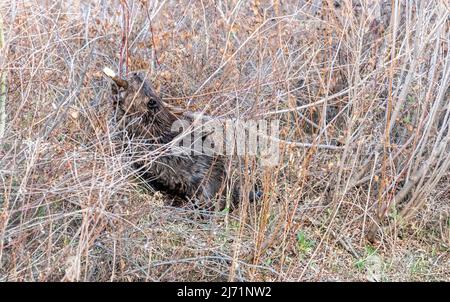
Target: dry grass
{"x":368,"y":77}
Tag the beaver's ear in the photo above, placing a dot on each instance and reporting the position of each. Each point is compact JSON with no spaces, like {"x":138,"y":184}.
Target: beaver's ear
{"x":139,"y":77}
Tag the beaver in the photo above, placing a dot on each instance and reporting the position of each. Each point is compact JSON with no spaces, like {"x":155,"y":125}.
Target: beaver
{"x":146,"y":121}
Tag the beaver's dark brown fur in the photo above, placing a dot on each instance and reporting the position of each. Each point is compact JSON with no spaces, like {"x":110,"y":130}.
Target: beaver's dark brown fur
{"x":147,"y":123}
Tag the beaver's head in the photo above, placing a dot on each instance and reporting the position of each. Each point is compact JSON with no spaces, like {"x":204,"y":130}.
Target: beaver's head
{"x":139,"y":108}
{"x":135,"y":96}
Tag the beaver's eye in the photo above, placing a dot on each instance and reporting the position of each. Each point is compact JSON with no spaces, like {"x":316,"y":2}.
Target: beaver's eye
{"x":152,"y":104}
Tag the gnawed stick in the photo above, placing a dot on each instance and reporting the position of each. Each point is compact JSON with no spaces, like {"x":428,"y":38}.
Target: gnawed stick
{"x":112,"y":75}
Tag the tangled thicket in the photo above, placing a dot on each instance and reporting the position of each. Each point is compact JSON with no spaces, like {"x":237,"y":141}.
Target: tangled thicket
{"x":361,"y":190}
